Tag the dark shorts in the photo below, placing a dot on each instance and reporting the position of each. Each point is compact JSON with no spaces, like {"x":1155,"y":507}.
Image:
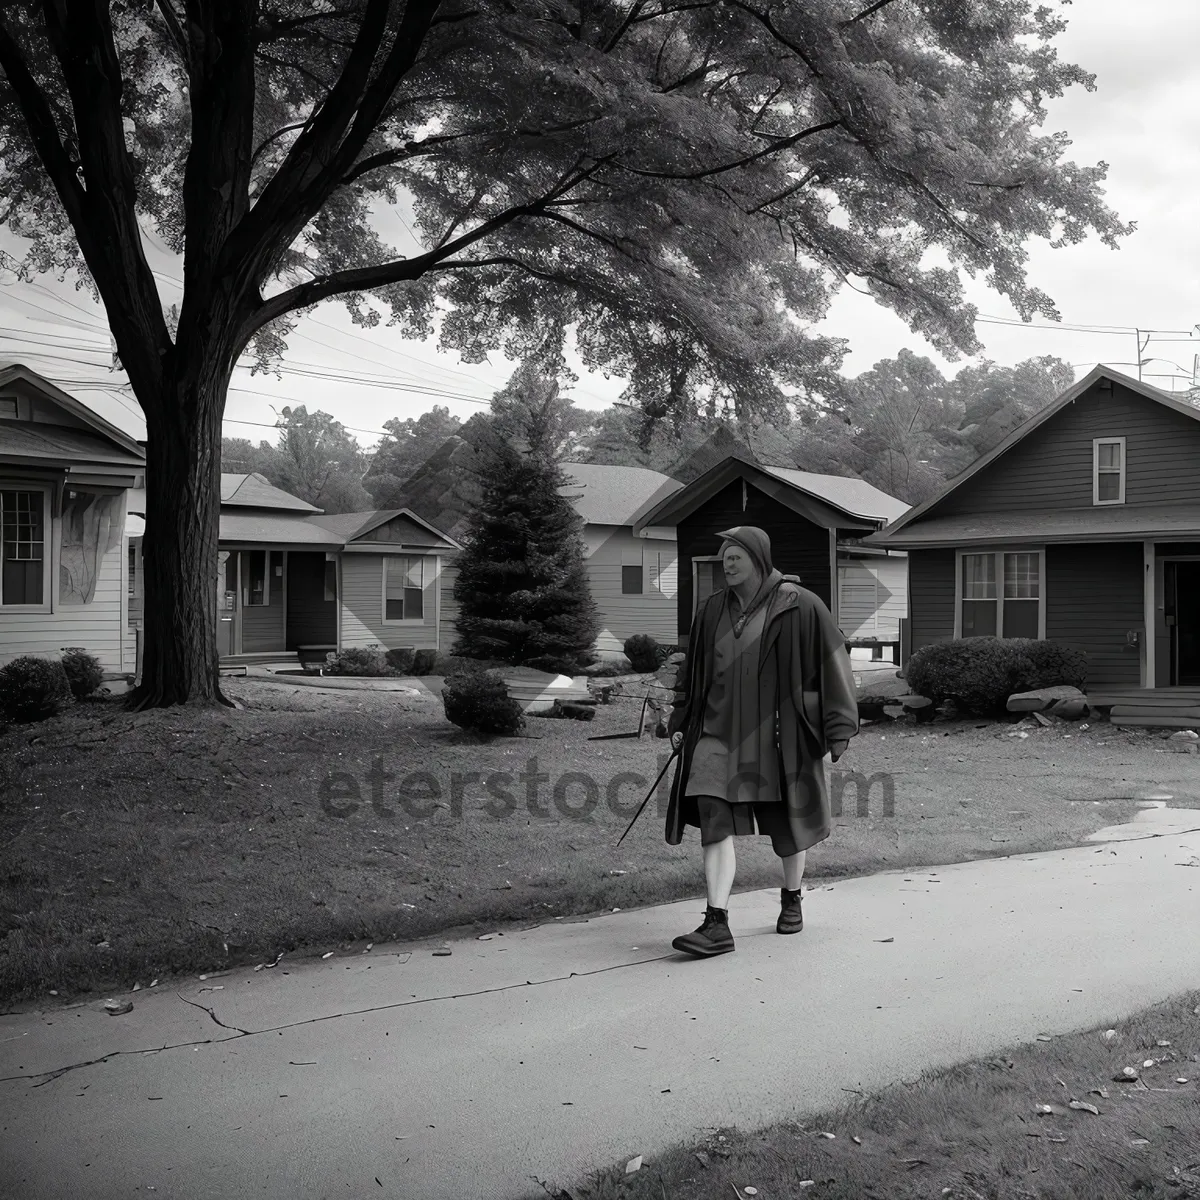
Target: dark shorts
{"x":719,"y":819}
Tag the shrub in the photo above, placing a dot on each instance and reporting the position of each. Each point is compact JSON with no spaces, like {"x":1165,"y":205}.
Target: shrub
{"x":400,"y":660}
{"x":478,"y":701}
{"x":424,"y":661}
{"x":1054,"y":663}
{"x":32,"y":689}
{"x":554,"y":663}
{"x":357,"y":660}
{"x":84,"y":672}
{"x":642,"y":652}
{"x":978,"y":673}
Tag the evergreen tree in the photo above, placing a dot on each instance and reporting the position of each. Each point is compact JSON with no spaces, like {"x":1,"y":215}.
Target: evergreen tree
{"x":522,"y":585}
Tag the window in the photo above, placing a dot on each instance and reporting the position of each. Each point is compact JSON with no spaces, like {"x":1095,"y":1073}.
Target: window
{"x":22,"y":547}
{"x":255,"y":588}
{"x":1108,"y":470}
{"x":1000,"y":594}
{"x":330,"y":579}
{"x":403,"y":588}
{"x":631,"y":581}
{"x":708,"y":576}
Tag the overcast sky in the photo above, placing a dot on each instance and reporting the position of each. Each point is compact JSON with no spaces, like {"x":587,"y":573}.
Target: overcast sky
{"x":1141,"y":120}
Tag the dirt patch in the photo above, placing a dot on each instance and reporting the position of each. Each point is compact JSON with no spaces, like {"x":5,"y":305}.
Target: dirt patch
{"x":185,"y":839}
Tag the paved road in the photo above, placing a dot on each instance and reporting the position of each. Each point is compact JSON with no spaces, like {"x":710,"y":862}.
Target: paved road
{"x":554,"y":1051}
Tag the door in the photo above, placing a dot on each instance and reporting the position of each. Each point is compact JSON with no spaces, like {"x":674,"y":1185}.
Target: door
{"x":228,"y":611}
{"x":1183,"y":600}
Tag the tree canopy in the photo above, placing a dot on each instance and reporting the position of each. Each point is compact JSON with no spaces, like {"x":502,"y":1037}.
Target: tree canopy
{"x":685,"y":183}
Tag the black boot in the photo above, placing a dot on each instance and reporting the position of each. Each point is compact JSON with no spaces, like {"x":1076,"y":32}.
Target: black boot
{"x":713,"y":937}
{"x":791,"y":919}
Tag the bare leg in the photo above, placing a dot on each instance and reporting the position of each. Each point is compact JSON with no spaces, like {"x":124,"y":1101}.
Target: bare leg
{"x":720,"y":863}
{"x":793,"y":870}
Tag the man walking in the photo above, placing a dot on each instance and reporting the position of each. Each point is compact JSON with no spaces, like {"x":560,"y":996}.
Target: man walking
{"x":765,"y":694}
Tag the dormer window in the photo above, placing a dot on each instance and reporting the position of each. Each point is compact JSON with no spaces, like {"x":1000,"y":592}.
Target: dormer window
{"x":1108,"y":470}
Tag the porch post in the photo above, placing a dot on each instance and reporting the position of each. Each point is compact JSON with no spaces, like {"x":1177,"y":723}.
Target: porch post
{"x":1148,"y":581}
{"x":833,"y":578}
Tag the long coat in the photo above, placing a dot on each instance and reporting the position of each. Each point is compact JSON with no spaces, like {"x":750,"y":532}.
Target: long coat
{"x":805,"y":682}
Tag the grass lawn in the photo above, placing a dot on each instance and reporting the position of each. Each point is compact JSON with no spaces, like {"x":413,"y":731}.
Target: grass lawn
{"x":981,"y":1130}
{"x":184,"y":840}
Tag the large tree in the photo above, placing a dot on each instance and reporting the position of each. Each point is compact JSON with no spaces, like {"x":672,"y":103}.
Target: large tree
{"x":685,"y":182}
{"x":407,"y":447}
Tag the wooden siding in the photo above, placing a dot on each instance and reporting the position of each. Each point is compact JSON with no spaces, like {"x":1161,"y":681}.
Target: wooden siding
{"x":99,"y":626}
{"x":1093,"y":598}
{"x":798,"y":546}
{"x":931,"y":596}
{"x":361,"y":604}
{"x":311,"y":619}
{"x":872,"y":597}
{"x":1052,"y":467}
{"x":612,"y":547}
{"x":263,"y":624}
{"x":448,"y":612}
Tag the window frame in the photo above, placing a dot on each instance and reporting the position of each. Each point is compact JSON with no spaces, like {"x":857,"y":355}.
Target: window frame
{"x":997,"y":553}
{"x":49,"y":547}
{"x":245,"y":581}
{"x":426,"y":582}
{"x":699,"y":558}
{"x":1097,"y":470}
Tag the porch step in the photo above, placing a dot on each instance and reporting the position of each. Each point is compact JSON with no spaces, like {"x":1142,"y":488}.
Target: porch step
{"x":273,"y":657}
{"x":1167,"y":697}
{"x":1168,"y":720}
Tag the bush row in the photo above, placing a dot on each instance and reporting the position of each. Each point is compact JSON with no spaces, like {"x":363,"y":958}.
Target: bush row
{"x":980,"y":673}
{"x":33,"y":689}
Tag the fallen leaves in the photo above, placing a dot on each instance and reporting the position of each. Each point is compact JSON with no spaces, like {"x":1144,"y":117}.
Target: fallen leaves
{"x":634,"y":1164}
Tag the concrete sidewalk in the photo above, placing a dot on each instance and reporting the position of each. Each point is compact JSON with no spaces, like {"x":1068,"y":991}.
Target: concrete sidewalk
{"x":551,"y":1052}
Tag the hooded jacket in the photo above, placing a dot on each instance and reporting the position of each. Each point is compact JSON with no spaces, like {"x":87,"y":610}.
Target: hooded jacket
{"x":806,"y":690}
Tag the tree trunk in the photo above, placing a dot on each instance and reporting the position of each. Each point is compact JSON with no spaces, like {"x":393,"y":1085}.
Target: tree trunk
{"x":183,"y":502}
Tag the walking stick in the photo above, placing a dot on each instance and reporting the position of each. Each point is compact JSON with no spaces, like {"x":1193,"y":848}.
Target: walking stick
{"x":653,"y":788}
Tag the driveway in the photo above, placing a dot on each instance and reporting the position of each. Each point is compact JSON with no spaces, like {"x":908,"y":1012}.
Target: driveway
{"x":550,"y":1052}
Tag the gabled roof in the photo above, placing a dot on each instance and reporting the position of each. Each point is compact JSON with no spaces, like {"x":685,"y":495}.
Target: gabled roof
{"x":255,"y":491}
{"x":11,"y":373}
{"x":37,"y":440}
{"x":1022,"y":431}
{"x":277,"y":528}
{"x":615,"y":495}
{"x":351,"y":526}
{"x":830,"y":500}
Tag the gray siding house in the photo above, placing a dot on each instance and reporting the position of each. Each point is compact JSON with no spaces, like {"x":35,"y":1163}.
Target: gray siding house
{"x":1082,"y":526}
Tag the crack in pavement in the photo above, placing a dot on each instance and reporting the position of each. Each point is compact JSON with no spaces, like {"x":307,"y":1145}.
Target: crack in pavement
{"x":237,"y":1033}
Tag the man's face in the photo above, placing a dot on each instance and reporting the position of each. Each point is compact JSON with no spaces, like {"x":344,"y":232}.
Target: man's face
{"x":739,"y":566}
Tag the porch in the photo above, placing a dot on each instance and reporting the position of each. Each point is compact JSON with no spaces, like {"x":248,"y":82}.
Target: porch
{"x":1163,"y":708}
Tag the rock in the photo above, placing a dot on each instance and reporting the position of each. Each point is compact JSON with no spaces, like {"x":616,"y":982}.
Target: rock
{"x":894,"y":711}
{"x":870,"y":708}
{"x":916,"y":702}
{"x":116,"y":1008}
{"x":1068,"y":710}
{"x":1042,"y":719}
{"x":1042,"y":698}
{"x":1184,"y":735}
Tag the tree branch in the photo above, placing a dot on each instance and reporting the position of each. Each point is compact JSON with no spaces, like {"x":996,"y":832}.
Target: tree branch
{"x":175,"y":31}
{"x":866,"y":12}
{"x":104,"y":212}
{"x":764,"y":19}
{"x":781,"y":144}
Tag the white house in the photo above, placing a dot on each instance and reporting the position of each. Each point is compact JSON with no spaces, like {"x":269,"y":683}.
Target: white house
{"x":65,"y":475}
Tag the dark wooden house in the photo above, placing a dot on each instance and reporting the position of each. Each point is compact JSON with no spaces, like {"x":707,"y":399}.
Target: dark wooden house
{"x":814,"y":522}
{"x":1082,"y":526}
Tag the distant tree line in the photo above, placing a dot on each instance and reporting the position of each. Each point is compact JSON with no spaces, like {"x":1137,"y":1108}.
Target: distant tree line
{"x":901,"y":426}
